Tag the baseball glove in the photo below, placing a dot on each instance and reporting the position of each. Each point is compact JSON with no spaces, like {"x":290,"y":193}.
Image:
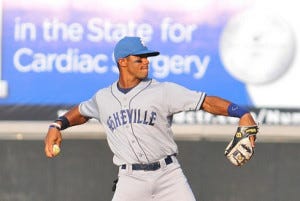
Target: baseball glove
{"x":239,"y":150}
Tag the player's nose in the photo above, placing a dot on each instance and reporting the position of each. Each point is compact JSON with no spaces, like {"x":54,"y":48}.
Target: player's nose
{"x":145,"y":60}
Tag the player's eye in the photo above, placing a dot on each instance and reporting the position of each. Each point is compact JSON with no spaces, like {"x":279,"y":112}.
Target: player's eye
{"x":138,"y":61}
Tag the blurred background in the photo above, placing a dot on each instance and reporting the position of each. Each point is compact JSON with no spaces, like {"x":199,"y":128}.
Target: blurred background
{"x":55,"y":54}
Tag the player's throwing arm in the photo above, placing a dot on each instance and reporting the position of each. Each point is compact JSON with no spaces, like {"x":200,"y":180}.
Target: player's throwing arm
{"x":53,"y":138}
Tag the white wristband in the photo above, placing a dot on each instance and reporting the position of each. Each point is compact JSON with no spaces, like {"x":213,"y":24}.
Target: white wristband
{"x":55,"y":125}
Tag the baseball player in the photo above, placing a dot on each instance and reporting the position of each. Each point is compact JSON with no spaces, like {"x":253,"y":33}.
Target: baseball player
{"x":136,"y":112}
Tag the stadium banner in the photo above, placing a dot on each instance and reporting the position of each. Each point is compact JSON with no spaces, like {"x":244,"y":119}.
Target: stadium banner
{"x":55,"y":54}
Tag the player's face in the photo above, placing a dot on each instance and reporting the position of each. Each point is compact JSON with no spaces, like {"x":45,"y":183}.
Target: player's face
{"x":138,"y":66}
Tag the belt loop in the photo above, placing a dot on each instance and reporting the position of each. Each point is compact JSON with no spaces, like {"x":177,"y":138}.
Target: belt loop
{"x":174,"y":158}
{"x":162,"y":163}
{"x":129,"y":168}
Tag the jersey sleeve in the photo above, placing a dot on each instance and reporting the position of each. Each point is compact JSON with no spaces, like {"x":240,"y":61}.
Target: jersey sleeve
{"x":89,"y":108}
{"x":181,"y":99}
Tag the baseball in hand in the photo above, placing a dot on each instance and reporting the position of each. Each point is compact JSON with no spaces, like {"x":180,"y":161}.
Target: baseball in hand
{"x":55,"y":149}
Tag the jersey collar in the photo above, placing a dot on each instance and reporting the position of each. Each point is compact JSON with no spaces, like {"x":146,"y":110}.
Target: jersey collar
{"x":142,"y":85}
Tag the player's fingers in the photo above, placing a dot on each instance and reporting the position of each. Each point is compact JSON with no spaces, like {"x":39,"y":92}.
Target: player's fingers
{"x":49,"y":142}
{"x":58,"y":141}
{"x":53,"y":137}
{"x":48,"y":150}
{"x":252,"y":140}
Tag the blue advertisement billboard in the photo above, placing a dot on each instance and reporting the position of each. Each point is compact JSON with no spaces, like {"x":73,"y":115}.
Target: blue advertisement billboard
{"x":61,"y":52}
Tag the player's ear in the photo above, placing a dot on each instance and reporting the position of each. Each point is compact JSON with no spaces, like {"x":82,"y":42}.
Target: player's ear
{"x":122,"y":62}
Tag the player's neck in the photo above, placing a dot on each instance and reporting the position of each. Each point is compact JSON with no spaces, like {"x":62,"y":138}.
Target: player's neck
{"x":128,"y":83}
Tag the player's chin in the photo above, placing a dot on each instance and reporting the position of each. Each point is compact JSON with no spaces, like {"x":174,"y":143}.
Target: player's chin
{"x":143,"y":74}
{"x":143,"y":77}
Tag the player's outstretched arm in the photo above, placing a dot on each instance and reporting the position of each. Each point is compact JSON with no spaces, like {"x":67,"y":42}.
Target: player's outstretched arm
{"x":241,"y":148}
{"x":218,"y":106}
{"x":71,"y":118}
{"x":215,"y":105}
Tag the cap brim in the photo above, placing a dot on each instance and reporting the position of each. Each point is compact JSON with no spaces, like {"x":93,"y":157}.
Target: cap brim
{"x":149,"y":53}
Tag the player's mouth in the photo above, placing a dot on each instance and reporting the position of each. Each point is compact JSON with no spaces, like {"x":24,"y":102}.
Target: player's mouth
{"x":144,"y":68}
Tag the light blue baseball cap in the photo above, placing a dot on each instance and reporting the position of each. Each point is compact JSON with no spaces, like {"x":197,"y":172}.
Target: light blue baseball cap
{"x":130,"y":45}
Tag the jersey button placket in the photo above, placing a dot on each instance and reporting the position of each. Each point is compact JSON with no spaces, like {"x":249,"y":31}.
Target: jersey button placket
{"x":131,"y":136}
{"x":135,"y":145}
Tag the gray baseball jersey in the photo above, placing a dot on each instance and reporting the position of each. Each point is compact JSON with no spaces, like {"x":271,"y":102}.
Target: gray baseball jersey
{"x":138,"y":123}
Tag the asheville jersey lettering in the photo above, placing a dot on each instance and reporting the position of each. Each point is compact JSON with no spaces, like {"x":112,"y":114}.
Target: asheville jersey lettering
{"x":128,"y":116}
{"x":138,"y":123}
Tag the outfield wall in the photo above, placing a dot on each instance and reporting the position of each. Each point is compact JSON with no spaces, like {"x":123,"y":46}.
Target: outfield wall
{"x":84,"y":171}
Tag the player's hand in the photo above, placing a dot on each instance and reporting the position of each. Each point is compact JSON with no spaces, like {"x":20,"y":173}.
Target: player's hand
{"x":247,"y":120}
{"x":53,"y":137}
{"x":252,"y":139}
{"x":241,"y":148}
